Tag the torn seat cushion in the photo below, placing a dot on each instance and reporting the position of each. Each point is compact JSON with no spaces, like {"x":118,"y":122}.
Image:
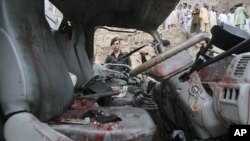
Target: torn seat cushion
{"x":135,"y":124}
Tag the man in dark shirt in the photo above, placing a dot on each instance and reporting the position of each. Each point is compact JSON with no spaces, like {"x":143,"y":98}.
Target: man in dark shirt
{"x":117,"y":55}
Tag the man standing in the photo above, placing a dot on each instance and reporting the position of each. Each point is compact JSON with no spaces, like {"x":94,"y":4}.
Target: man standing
{"x":190,"y":18}
{"x":223,"y":18}
{"x":212,"y":17}
{"x":184,"y":16}
{"x":117,"y":55}
{"x":231,"y":17}
{"x":196,"y":20}
{"x":174,"y":17}
{"x":240,"y":18}
{"x":204,"y":15}
{"x":179,"y":8}
{"x":247,"y":26}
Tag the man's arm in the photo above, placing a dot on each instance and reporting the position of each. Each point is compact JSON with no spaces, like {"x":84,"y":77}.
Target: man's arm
{"x":195,"y":12}
{"x":129,"y":62}
{"x":201,"y":13}
{"x":107,"y":59}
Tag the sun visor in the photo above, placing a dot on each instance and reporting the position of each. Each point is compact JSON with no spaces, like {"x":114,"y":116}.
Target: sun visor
{"x":226,"y":36}
{"x":144,"y":15}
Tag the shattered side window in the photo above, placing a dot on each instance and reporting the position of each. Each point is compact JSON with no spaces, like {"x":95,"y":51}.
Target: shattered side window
{"x":53,"y":16}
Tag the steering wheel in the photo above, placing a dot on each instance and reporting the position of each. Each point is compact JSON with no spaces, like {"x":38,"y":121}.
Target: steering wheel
{"x":121,"y":65}
{"x":114,"y":73}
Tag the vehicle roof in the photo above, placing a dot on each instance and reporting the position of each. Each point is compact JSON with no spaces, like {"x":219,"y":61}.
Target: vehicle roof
{"x":144,"y":15}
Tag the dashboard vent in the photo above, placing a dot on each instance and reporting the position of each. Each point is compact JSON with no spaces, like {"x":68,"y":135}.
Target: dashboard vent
{"x":241,"y":66}
{"x":231,"y":94}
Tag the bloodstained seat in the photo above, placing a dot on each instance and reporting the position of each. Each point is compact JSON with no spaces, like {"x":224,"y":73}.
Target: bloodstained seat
{"x":135,"y":124}
{"x":35,"y":84}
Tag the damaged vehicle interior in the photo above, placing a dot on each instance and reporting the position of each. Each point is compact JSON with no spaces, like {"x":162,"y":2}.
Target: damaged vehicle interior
{"x":50,"y":89}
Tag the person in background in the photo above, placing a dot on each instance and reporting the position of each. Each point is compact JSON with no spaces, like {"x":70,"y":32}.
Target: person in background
{"x":240,"y":18}
{"x":223,"y":18}
{"x":234,"y":7}
{"x":172,"y":20}
{"x":184,"y":14}
{"x":179,"y":14}
{"x":212,"y":17}
{"x":231,"y":17}
{"x":190,"y":18}
{"x":117,"y":55}
{"x":247,"y":26}
{"x":204,"y":18}
{"x":195,"y":27}
{"x":175,"y":18}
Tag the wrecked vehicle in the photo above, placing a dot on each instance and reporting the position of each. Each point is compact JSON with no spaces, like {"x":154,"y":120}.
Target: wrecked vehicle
{"x":42,"y":73}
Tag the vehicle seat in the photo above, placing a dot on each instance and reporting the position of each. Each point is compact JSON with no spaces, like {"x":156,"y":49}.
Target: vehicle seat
{"x":74,"y":54}
{"x":35,"y":77}
{"x":135,"y":124}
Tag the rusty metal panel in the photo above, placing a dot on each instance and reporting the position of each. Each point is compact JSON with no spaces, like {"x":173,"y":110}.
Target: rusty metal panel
{"x":171,"y":66}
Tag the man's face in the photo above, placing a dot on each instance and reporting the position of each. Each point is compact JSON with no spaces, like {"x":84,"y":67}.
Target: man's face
{"x":116,"y":46}
{"x":180,"y":6}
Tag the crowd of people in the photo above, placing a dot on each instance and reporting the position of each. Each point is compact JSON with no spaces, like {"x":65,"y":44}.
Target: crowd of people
{"x":194,"y":20}
{"x":203,"y":18}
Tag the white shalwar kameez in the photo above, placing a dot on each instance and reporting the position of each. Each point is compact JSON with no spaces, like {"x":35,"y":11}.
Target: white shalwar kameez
{"x":247,"y":26}
{"x":231,"y":19}
{"x":223,"y":18}
{"x":212,"y":18}
{"x":184,"y":18}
